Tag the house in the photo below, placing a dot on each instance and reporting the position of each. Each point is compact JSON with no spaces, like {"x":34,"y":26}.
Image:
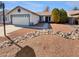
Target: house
{"x":1,"y":16}
{"x":22,"y":16}
{"x":73,"y":16}
{"x":45,"y":16}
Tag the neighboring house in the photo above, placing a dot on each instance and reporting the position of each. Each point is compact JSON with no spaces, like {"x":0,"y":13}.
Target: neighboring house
{"x":73,"y":16}
{"x":1,"y":17}
{"x":22,"y":16}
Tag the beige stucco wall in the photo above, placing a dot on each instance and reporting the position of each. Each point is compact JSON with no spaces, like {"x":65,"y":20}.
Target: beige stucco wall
{"x":33,"y":17}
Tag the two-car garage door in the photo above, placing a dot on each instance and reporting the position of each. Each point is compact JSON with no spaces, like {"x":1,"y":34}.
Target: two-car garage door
{"x":20,"y":19}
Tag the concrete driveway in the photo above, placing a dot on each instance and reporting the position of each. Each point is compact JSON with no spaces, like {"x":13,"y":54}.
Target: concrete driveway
{"x":9,"y":29}
{"x":12,"y":28}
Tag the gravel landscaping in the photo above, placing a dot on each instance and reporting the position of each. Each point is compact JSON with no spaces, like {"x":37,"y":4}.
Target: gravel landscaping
{"x":43,"y":45}
{"x":71,"y":35}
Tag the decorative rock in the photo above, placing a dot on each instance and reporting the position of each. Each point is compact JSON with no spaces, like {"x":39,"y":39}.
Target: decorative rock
{"x":70,"y":35}
{"x":19,"y":37}
{"x":14,"y":38}
{"x":37,"y":33}
{"x":5,"y":44}
{"x":1,"y":45}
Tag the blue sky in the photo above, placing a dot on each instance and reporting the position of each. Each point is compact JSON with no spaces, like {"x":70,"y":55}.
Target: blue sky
{"x":40,"y":5}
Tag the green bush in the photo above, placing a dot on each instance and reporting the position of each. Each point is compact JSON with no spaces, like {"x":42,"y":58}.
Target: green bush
{"x":63,"y":16}
{"x":59,"y":16}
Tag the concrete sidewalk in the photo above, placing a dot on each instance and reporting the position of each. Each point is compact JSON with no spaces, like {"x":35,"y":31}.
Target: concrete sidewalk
{"x":12,"y":28}
{"x":45,"y":26}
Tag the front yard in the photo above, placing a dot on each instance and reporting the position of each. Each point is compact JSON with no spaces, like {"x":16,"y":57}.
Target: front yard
{"x":43,"y":45}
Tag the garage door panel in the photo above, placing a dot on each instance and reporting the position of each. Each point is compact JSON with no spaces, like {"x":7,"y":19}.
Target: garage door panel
{"x":20,"y":20}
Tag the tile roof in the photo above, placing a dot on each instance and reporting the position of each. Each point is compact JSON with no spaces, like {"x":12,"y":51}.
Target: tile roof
{"x":44,"y":13}
{"x":73,"y":11}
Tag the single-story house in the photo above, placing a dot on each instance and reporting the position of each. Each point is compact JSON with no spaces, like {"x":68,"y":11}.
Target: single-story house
{"x":22,"y":16}
{"x":73,"y":16}
{"x":1,"y":16}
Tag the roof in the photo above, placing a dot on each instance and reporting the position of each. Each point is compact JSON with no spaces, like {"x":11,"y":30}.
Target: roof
{"x":73,"y":12}
{"x":22,"y":8}
{"x":44,"y":13}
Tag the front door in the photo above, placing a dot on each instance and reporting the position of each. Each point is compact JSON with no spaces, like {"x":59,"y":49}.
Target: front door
{"x":47,"y":19}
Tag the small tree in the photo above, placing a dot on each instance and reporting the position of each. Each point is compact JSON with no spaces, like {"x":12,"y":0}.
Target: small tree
{"x":55,"y":15}
{"x":63,"y":16}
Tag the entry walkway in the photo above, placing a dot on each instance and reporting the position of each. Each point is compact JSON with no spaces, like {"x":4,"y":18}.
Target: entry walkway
{"x":45,"y":26}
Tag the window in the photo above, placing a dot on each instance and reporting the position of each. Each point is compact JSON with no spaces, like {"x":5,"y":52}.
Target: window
{"x":19,"y":10}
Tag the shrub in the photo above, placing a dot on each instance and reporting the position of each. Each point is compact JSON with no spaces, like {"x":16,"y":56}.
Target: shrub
{"x":63,"y":16}
{"x":59,"y":16}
